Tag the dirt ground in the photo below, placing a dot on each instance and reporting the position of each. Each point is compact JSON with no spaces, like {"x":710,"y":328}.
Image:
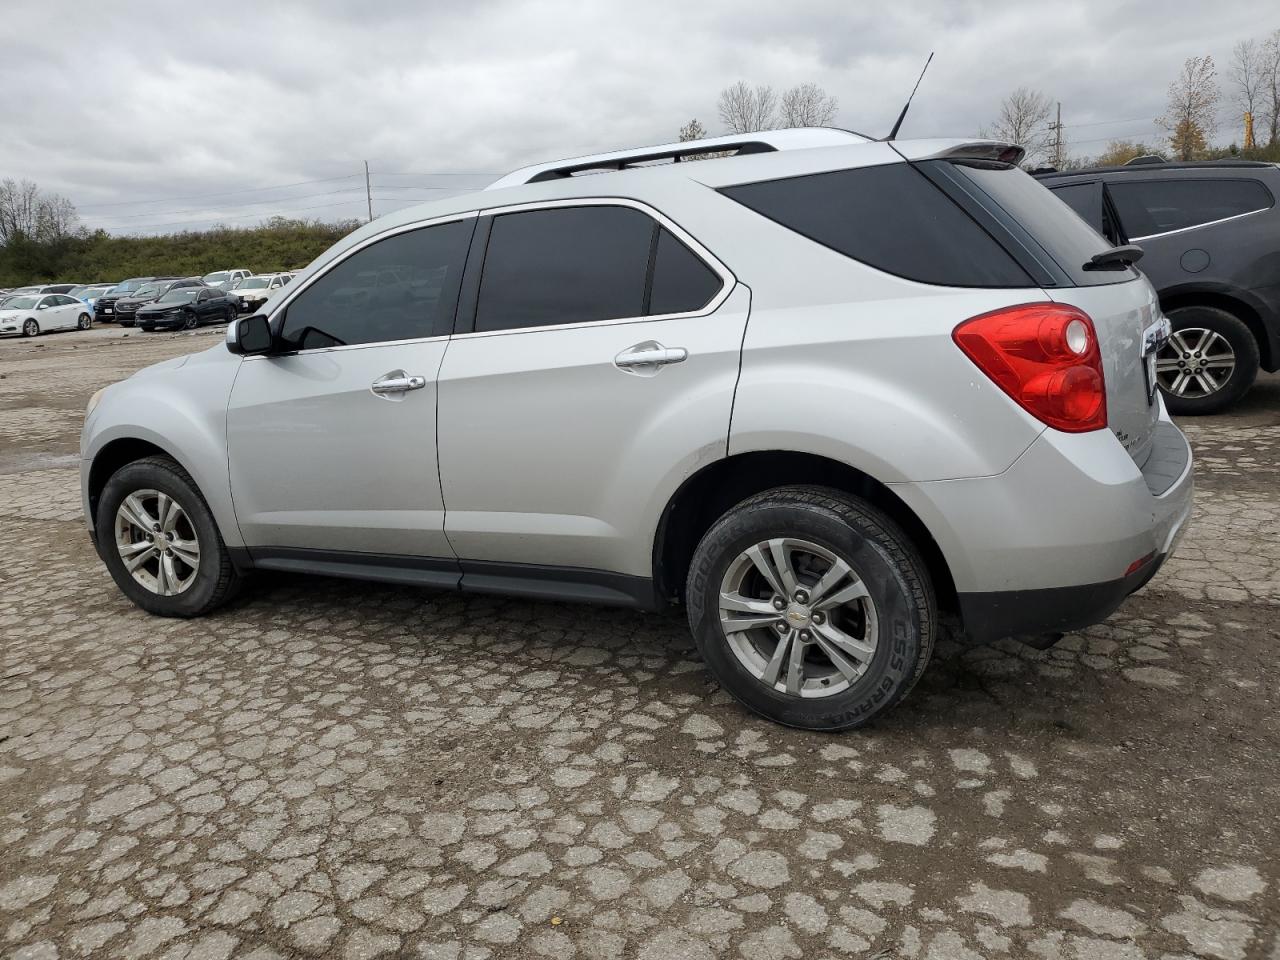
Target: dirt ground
{"x":348,"y":770}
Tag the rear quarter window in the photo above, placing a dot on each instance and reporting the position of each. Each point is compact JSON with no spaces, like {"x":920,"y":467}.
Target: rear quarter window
{"x":1151,"y":207}
{"x":1047,"y":219}
{"x":890,"y":217}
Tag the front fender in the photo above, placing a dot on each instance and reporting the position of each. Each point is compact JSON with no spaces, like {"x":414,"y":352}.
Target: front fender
{"x":181,"y":408}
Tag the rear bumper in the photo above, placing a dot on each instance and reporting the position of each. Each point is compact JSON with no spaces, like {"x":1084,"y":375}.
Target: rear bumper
{"x":1061,"y":538}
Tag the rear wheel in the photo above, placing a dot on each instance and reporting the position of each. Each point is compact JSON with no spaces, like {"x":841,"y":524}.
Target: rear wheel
{"x":160,"y":542}
{"x":84,"y":322}
{"x":1209,"y":363}
{"x":811,"y":607}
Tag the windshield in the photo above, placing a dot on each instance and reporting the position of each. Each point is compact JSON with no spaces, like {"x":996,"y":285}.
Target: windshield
{"x":78,"y":292}
{"x":21,"y":303}
{"x":92,"y":292}
{"x":150,"y":290}
{"x":222,"y":276}
{"x":180,"y":296}
{"x":128,"y":286}
{"x":253,"y":283}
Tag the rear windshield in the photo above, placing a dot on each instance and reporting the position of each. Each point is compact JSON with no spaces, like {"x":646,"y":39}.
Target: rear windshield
{"x":1050,"y":222}
{"x":889,"y":217}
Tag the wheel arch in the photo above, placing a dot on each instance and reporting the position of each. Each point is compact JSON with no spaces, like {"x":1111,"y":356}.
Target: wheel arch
{"x":1233,"y":302}
{"x":717,"y":487}
{"x":114,"y":455}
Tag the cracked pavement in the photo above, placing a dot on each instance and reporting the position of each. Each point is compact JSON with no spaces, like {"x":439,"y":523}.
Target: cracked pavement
{"x":349,"y":770}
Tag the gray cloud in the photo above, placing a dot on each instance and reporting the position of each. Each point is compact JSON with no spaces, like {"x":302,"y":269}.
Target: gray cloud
{"x":163,"y":100}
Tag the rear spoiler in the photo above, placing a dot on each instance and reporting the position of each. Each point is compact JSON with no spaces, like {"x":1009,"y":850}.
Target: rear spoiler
{"x":993,"y":150}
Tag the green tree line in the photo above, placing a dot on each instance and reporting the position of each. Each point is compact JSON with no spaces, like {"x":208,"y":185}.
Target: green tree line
{"x":85,"y":256}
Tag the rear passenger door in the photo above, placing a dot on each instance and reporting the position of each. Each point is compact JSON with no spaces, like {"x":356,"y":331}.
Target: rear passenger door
{"x":593,"y":371}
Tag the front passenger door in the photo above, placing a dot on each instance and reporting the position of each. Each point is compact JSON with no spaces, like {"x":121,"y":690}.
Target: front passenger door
{"x":332,"y":441}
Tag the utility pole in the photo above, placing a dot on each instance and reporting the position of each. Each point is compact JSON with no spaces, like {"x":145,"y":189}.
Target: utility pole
{"x":1057,"y":138}
{"x":368,"y":192}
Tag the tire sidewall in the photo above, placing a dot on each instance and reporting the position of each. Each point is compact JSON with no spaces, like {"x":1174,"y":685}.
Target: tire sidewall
{"x":144,"y":475}
{"x":893,"y":668}
{"x":1236,"y":333}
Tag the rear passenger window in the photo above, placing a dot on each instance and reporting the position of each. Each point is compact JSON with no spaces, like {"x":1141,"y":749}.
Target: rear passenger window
{"x":889,"y":217}
{"x":682,"y":283}
{"x":564,"y":265}
{"x":1150,"y":207}
{"x":401,"y":288}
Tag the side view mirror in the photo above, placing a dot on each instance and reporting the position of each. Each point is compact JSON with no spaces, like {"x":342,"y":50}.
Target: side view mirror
{"x":43,"y":306}
{"x":250,"y":336}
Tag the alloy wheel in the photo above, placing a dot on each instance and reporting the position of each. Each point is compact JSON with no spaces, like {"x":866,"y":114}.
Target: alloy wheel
{"x":157,"y":542}
{"x":1195,"y":362}
{"x":798,"y":617}
{"x":84,"y":321}
{"x":30,"y":328}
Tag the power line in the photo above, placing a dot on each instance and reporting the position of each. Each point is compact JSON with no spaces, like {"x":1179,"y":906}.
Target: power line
{"x":1101,"y":123}
{"x":202,"y":196}
{"x":218,"y":219}
{"x":246,"y":203}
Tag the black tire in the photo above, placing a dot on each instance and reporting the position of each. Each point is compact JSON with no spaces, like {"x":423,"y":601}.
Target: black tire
{"x":84,"y":322}
{"x":30,"y":328}
{"x":189,"y":320}
{"x":215,"y":580}
{"x":1231,"y":329}
{"x":890,"y":567}
{"x":231,"y":314}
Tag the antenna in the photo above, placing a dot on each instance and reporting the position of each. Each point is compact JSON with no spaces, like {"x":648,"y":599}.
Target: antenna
{"x":907,"y":106}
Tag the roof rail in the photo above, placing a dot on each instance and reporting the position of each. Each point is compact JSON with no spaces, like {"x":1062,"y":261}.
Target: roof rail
{"x":763,"y":141}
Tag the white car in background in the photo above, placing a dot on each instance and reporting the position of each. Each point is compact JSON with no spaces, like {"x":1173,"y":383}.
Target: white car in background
{"x":252,"y":292}
{"x":35,"y":314}
{"x":226,"y":279}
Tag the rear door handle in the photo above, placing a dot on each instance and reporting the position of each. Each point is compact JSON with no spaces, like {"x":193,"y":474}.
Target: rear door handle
{"x":648,"y":357}
{"x":393,"y":385}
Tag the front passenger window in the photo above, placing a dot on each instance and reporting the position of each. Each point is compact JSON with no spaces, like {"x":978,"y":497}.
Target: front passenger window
{"x":402,"y":288}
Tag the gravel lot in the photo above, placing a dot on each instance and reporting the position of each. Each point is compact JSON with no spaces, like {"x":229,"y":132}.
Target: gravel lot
{"x":347,"y":770}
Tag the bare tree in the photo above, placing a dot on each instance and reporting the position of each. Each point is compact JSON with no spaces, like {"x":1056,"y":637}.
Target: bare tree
{"x":745,"y":109}
{"x":1246,"y":75}
{"x":1269,"y":96}
{"x":19,"y":210}
{"x":808,"y":105}
{"x":27,"y":213}
{"x":1193,"y":102}
{"x":1024,"y":120}
{"x":693,"y":130}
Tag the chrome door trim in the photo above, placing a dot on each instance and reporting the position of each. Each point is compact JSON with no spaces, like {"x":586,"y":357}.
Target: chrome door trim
{"x":727,"y":279}
{"x":1200,"y":226}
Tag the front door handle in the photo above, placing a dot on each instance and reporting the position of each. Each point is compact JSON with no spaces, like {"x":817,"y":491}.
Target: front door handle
{"x":645,"y":359}
{"x":393,"y":385}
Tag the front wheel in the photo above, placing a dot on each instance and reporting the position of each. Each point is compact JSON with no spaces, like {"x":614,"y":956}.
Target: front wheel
{"x":811,"y":607}
{"x":84,"y":322}
{"x":1208,"y":364}
{"x":188,"y":321}
{"x":31,"y":329}
{"x":160,"y":542}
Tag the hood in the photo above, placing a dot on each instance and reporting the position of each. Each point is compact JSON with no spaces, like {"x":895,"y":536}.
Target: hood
{"x":132,"y":301}
{"x":10,"y":314}
{"x":155,"y":306}
{"x":253,"y":292}
{"x":161,"y":367}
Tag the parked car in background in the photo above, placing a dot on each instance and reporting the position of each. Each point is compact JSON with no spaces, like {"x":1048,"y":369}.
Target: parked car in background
{"x":89,"y":293}
{"x":127,"y":307}
{"x":226,"y":279}
{"x":1211,"y":237}
{"x":185,"y":308}
{"x":32,"y":314}
{"x":254,"y":291}
{"x":939,"y":405}
{"x":104,"y":307}
{"x":57,"y":287}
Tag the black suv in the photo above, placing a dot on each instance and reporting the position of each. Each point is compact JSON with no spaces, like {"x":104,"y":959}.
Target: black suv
{"x":126,"y":307}
{"x":104,"y":308}
{"x":1211,"y":236}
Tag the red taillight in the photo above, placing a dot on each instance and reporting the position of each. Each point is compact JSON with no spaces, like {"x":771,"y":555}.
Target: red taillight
{"x":1045,"y":356}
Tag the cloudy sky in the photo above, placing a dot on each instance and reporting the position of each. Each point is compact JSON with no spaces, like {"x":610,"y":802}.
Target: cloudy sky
{"x":159,"y":116}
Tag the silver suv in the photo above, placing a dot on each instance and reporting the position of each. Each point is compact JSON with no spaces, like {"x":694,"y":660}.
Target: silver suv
{"x":817,"y":388}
